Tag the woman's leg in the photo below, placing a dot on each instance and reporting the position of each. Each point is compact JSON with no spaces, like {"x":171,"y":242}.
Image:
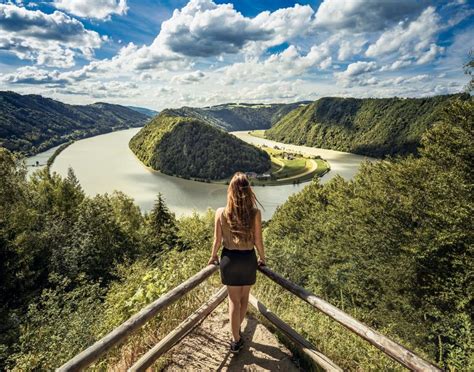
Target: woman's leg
{"x":244,"y":301}
{"x":235,"y":294}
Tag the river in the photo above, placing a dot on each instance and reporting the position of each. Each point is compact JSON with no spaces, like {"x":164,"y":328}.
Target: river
{"x":105,"y":163}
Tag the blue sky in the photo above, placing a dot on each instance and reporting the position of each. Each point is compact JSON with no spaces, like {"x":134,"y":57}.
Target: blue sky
{"x":160,"y":54}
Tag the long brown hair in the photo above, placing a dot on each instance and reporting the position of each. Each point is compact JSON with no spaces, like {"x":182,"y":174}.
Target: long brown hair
{"x":241,"y":208}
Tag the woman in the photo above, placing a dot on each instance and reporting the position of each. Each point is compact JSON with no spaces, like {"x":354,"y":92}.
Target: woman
{"x":238,"y":227}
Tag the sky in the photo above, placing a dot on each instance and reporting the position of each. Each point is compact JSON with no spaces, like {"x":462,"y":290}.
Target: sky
{"x":171,"y":53}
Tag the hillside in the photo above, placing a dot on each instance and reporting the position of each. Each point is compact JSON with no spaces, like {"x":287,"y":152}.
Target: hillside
{"x":32,"y":123}
{"x":239,"y":116}
{"x":144,"y":110}
{"x":371,"y":126}
{"x":392,"y":247}
{"x":188,"y":147}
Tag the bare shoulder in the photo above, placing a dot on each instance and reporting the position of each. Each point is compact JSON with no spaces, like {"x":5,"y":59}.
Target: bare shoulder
{"x":219,"y":211}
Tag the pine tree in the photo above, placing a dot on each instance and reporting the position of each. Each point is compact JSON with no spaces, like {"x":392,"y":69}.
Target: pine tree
{"x":162,"y":228}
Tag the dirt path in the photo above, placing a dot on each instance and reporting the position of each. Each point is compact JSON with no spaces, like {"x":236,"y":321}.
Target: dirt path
{"x":206,"y":348}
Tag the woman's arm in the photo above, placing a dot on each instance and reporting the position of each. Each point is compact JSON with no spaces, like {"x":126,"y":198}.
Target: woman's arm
{"x":217,"y":239}
{"x":258,"y":236}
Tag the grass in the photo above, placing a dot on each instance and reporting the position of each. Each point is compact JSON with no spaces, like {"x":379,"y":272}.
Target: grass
{"x":294,"y":167}
{"x":288,"y":171}
{"x":258,"y":133}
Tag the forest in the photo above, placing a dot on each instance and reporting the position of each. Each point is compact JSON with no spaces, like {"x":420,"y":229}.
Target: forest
{"x":240,"y":116}
{"x":376,"y":127}
{"x":31,"y":123}
{"x":393,"y":247}
{"x":187,"y":147}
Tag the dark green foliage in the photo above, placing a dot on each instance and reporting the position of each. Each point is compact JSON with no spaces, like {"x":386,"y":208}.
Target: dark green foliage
{"x":370,"y":126}
{"x":32,"y":123}
{"x":395,"y":243}
{"x":190,"y":148}
{"x":161,"y":229}
{"x":393,"y":247}
{"x":60,"y":324}
{"x":49,"y":228}
{"x":239,"y":116}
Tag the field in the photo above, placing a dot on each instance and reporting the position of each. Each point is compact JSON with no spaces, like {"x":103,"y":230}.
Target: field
{"x":289,"y":168}
{"x":258,"y":133}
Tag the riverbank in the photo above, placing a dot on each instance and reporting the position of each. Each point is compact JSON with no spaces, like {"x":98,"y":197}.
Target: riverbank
{"x":105,"y":163}
{"x":61,"y":148}
{"x":287,"y":168}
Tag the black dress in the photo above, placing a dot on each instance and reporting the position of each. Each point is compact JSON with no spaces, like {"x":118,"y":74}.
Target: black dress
{"x":238,"y":264}
{"x":238,"y":267}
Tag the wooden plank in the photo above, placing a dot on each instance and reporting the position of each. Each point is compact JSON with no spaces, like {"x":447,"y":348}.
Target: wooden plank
{"x":95,"y":351}
{"x":396,"y":351}
{"x":306,"y":347}
{"x":179,"y":332}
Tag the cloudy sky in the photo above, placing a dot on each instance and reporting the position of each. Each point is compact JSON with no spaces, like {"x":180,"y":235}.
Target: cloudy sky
{"x":171,"y":53}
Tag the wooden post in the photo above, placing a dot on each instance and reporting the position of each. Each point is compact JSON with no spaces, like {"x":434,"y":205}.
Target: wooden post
{"x":306,"y":347}
{"x":120,"y":333}
{"x":396,"y":351}
{"x":179,"y":332}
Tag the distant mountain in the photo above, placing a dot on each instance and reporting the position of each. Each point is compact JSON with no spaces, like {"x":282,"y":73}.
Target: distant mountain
{"x":144,"y":111}
{"x":239,"y":116}
{"x":373,"y":126}
{"x":189,"y":147}
{"x":31,"y":123}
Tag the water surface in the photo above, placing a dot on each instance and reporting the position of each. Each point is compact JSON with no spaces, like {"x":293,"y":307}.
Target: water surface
{"x":105,"y":163}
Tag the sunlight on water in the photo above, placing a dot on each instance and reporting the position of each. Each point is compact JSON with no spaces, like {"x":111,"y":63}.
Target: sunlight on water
{"x":105,"y":163}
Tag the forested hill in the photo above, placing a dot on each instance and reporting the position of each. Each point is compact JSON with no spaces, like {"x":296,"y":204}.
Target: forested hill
{"x":373,"y":126}
{"x":32,"y":123}
{"x":188,"y":147}
{"x":240,"y":116}
{"x":144,"y":111}
{"x":392,"y":247}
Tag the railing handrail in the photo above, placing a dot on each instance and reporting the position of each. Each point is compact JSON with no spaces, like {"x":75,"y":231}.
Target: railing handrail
{"x":304,"y":345}
{"x":95,"y":351}
{"x":391,"y":348}
{"x":179,"y":332}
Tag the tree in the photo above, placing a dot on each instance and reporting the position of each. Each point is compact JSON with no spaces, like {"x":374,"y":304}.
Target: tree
{"x":468,"y":69}
{"x":161,"y":228}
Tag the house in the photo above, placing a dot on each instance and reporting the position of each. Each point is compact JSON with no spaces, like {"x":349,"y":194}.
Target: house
{"x":251,"y":174}
{"x":264,"y":176}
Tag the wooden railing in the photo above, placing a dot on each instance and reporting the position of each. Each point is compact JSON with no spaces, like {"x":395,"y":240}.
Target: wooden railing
{"x":394,"y":350}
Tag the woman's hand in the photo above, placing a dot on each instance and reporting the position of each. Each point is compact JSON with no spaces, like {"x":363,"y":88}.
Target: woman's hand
{"x":213,"y":260}
{"x":261,"y":262}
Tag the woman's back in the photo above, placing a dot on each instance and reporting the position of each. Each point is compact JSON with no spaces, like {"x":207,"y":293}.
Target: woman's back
{"x":227,"y":240}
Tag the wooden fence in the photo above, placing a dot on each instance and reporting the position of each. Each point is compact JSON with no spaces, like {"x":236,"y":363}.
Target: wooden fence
{"x":394,"y":350}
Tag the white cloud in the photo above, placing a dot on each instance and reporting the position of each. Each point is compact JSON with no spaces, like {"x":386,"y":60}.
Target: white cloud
{"x":33,"y":75}
{"x":289,"y":63}
{"x":98,"y":9}
{"x":103,"y":90}
{"x":412,"y":38}
{"x":349,"y":48}
{"x":358,"y":68}
{"x":208,"y":53}
{"x":430,"y":55}
{"x":365,"y":15}
{"x":189,"y":78}
{"x":353,"y":73}
{"x":47,"y":39}
{"x":204,"y":29}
